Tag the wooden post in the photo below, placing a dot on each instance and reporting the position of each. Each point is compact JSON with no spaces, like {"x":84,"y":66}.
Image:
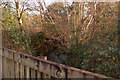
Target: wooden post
{"x":27,"y":69}
{"x":4,"y":67}
{"x":17,"y":69}
{"x":32,"y":74}
{"x":38,"y":75}
{"x":21,"y":71}
{"x":12,"y":69}
{"x":43,"y":75}
{"x":9,"y":68}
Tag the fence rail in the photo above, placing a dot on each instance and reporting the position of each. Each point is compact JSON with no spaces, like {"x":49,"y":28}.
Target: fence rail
{"x":20,"y":65}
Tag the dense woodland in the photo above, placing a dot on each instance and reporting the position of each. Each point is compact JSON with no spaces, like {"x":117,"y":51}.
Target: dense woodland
{"x":79,"y":34}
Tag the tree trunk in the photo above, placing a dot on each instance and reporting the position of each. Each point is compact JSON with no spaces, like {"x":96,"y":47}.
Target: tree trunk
{"x":19,"y":16}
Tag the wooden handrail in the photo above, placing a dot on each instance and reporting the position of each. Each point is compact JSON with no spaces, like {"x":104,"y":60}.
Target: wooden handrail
{"x":34,"y":67}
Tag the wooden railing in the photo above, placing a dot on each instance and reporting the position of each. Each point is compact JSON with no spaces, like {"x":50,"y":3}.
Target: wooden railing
{"x":20,"y":65}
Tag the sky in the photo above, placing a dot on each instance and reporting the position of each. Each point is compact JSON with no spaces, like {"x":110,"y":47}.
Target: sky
{"x":50,"y":1}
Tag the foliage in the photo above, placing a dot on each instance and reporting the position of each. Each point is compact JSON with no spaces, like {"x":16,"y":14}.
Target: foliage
{"x":85,"y":32}
{"x":42,"y":45}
